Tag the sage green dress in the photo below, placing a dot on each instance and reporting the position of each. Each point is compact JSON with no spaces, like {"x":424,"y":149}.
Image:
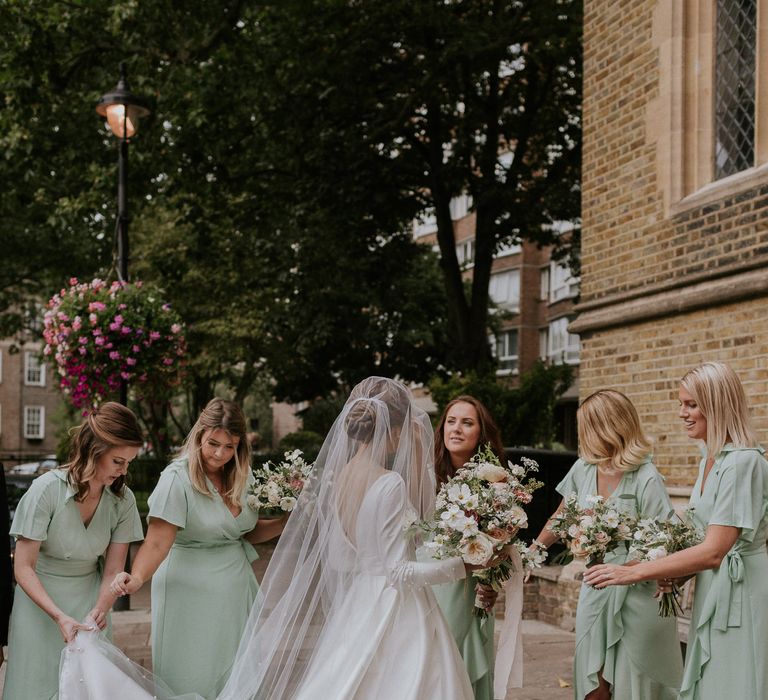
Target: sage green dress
{"x":728,"y":640}
{"x":69,"y":566}
{"x":203,"y":591}
{"x":618,"y":629}
{"x":473,"y":635}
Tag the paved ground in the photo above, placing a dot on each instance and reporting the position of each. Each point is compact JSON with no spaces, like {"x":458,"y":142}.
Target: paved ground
{"x":547,"y":652}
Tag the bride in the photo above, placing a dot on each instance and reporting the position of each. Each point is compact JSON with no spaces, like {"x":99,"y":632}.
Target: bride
{"x":345,"y":611}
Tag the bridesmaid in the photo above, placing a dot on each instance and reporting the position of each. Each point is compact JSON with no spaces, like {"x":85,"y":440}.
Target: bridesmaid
{"x":729,"y":623}
{"x":624,"y":650}
{"x":466,"y":425}
{"x":199,"y":549}
{"x":73,"y":528}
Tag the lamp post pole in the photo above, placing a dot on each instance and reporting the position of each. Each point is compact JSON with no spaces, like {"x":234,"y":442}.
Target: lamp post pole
{"x":122,"y":110}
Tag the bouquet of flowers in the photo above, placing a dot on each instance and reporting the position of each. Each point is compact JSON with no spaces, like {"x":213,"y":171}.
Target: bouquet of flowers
{"x":479,"y":512}
{"x":591,"y":532}
{"x":277,"y":486}
{"x":532,"y":558}
{"x":99,"y":335}
{"x":654,"y":539}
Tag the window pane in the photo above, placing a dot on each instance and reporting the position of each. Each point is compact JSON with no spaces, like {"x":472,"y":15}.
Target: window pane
{"x":34,"y":422}
{"x":735,"y":86}
{"x":33,"y":370}
{"x":504,"y":289}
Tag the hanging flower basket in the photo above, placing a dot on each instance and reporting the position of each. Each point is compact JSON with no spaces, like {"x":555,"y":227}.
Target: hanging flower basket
{"x":99,"y":335}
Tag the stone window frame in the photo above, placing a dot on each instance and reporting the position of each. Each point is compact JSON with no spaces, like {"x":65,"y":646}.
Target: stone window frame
{"x":682,"y":118}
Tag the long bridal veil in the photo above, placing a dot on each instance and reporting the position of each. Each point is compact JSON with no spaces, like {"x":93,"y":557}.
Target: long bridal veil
{"x":344,"y":610}
{"x":326,"y":554}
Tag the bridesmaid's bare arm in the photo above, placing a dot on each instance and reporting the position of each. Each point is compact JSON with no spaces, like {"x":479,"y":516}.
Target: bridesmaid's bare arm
{"x":160,"y":537}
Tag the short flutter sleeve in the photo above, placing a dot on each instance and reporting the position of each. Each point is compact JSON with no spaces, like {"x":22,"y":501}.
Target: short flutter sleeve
{"x":739,"y":495}
{"x":652,"y":497}
{"x":169,"y":499}
{"x":128,"y":527}
{"x":35,"y":510}
{"x":572,"y":480}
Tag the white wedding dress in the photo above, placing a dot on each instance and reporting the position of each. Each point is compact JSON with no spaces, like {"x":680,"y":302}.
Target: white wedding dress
{"x":345,"y":612}
{"x":388,"y":639}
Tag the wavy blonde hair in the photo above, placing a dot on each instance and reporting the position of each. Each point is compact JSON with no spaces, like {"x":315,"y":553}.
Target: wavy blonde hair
{"x":720,"y":395}
{"x":227,"y":415}
{"x":610,"y":434}
{"x":110,"y":425}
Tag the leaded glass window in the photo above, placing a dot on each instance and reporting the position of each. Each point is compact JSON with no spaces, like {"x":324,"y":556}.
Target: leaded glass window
{"x":735,"y":86}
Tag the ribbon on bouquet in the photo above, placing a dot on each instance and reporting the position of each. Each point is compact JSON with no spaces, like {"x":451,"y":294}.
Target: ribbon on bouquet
{"x":508,"y":671}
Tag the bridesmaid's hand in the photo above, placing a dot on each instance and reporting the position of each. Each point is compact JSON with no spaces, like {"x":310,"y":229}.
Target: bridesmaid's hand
{"x":69,"y":627}
{"x":602,"y":575}
{"x":125,"y":584}
{"x":99,"y":617}
{"x":487,"y":595}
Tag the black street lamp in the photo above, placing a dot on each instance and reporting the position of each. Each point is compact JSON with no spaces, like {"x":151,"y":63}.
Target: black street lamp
{"x":122,"y":110}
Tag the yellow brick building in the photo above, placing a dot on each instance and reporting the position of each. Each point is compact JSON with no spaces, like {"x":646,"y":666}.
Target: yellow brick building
{"x":675,"y":206}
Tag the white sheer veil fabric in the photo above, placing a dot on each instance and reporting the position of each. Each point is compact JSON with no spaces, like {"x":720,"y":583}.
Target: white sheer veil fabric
{"x":380,"y":444}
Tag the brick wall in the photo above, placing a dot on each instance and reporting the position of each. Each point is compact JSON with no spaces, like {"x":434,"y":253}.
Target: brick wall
{"x":552,"y":593}
{"x":662,"y":289}
{"x":628,"y":241}
{"x":646,"y":360}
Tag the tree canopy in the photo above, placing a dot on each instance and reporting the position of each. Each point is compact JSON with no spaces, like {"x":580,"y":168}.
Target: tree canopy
{"x":289,"y":149}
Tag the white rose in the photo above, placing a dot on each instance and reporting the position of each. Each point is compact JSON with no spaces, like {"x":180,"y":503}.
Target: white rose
{"x":518,"y":516}
{"x":574,"y":531}
{"x":586,"y":521}
{"x":656,"y":553}
{"x":287,"y":504}
{"x":252,"y":501}
{"x":478,"y":550}
{"x":491,"y":472}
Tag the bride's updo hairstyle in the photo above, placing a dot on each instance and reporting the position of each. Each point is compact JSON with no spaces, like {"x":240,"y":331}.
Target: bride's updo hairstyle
{"x":110,"y":425}
{"x":360,"y":423}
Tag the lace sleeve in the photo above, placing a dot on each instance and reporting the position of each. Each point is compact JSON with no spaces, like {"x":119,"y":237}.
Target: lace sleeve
{"x":413,"y":574}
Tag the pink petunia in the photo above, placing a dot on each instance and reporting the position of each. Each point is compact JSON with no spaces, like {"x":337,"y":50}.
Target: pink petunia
{"x":97,"y":306}
{"x":114,"y":355}
{"x":154,"y":335}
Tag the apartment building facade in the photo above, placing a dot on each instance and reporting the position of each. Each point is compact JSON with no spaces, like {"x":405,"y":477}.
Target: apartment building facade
{"x":533,"y":298}
{"x":28,"y":402}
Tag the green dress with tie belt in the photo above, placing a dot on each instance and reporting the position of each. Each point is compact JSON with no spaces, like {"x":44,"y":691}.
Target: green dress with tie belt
{"x":69,"y":566}
{"x":728,"y":638}
{"x":203,"y":592}
{"x":618,"y":629}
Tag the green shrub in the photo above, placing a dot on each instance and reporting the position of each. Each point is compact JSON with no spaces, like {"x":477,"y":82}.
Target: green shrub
{"x":308,"y":441}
